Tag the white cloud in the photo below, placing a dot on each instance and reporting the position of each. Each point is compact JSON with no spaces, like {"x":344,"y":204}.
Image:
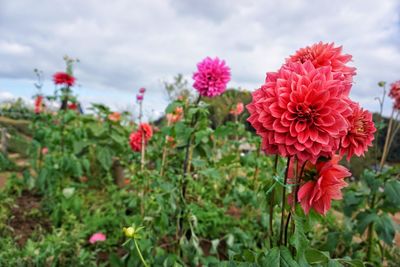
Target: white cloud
{"x":124,"y":45}
{"x":5,"y":96}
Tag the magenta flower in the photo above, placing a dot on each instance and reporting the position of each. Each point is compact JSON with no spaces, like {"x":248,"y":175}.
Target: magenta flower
{"x":142,"y":90}
{"x":97,"y":237}
{"x":211,"y":77}
{"x":139,"y":98}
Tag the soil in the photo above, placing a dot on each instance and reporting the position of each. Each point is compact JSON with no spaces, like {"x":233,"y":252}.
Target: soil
{"x":221,"y":248}
{"x":103,"y":256}
{"x":23,"y":221}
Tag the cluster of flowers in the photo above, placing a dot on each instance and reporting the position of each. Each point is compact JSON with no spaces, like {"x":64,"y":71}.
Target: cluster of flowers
{"x":175,"y":116}
{"x":142,"y":135}
{"x":395,"y":94}
{"x":140,"y":96}
{"x":303,"y":111}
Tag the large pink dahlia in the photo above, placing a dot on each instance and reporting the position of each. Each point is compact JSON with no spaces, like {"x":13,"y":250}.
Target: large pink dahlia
{"x":395,"y":94}
{"x":325,"y":54}
{"x":211,"y":77}
{"x":299,"y":111}
{"x":319,"y":192}
{"x":360,"y":133}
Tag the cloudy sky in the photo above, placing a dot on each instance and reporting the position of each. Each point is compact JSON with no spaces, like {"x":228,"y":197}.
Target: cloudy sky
{"x":126,"y":44}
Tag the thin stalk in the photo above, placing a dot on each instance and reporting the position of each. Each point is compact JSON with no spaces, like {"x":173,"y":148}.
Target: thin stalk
{"x":143,"y":147}
{"x":284,"y":202}
{"x":140,"y":253}
{"x":287,"y":227}
{"x":271,"y":204}
{"x":186,"y":167}
{"x":164,"y":155}
{"x":385,"y":148}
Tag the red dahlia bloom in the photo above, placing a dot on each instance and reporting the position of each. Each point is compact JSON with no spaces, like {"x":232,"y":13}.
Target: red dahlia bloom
{"x":300,"y":111}
{"x":135,"y":139}
{"x":325,"y":54}
{"x":38,"y":104}
{"x":211,"y":77}
{"x":319,"y":193}
{"x":72,"y":106}
{"x":63,"y":78}
{"x":360,"y":133}
{"x":395,"y":94}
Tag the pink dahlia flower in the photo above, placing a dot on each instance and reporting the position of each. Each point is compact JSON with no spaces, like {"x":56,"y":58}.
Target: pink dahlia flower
{"x":395,"y":94}
{"x":63,"y":78}
{"x":325,"y":54}
{"x":360,"y":133}
{"x":139,"y":98}
{"x":142,"y":90}
{"x":97,"y":237}
{"x":318,"y":193}
{"x":299,"y":111}
{"x":211,"y":77}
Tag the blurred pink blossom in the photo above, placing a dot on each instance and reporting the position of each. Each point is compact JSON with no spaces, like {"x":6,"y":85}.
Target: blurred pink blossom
{"x":97,"y":237}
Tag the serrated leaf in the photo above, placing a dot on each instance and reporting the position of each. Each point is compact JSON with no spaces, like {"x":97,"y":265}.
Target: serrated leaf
{"x":279,"y":257}
{"x":385,"y":229}
{"x":315,"y":256}
{"x":392,"y":192}
{"x":104,"y":156}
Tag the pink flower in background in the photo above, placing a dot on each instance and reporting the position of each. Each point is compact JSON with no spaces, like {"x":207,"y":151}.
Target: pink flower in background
{"x":175,"y":116}
{"x":300,"y":111}
{"x":63,"y":78}
{"x":97,"y":237}
{"x":325,"y":54}
{"x":115,"y":116}
{"x":238,"y":109}
{"x":395,"y":94}
{"x":319,"y":193}
{"x":45,"y":150}
{"x":360,"y":133}
{"x":142,"y":90}
{"x":139,"y":98}
{"x":211,"y":77}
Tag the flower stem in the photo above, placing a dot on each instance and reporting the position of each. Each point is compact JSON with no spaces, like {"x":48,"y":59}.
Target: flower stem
{"x":164,"y":154}
{"x":284,"y":202}
{"x":140,"y":253}
{"x":271,"y":205}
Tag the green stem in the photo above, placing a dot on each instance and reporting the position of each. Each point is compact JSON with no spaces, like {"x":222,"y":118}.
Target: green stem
{"x":140,"y":253}
{"x":271,"y":205}
{"x":284,"y":202}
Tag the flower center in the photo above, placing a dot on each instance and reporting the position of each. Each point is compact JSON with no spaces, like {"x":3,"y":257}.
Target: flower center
{"x":305,"y":112}
{"x":359,"y":126}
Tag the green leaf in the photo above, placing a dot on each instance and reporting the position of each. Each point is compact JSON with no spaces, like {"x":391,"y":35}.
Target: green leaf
{"x":385,"y":229}
{"x":299,"y":240}
{"x":104,"y":156}
{"x":279,"y":257}
{"x":364,"y":219}
{"x":392,"y":192}
{"x":315,"y":256}
{"x":334,"y":263}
